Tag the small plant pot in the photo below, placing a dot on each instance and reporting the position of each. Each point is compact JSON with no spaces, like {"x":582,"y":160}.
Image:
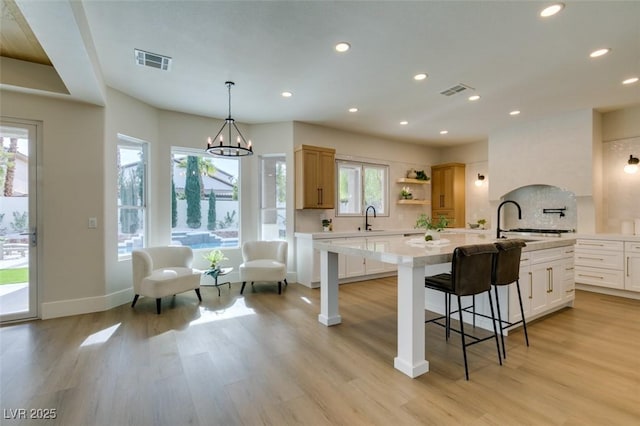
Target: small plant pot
{"x":435,"y":235}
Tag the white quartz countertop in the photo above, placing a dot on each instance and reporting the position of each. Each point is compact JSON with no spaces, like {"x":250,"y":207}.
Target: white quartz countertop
{"x":351,"y":234}
{"x":611,"y":237}
{"x":414,"y":251}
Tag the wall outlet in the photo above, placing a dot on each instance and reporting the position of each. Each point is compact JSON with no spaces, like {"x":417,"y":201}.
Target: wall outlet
{"x":93,"y":222}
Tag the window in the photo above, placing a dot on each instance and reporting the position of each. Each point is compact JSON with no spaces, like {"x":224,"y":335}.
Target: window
{"x":361,"y":185}
{"x":273,"y":198}
{"x":205,"y":212}
{"x":132,"y":194}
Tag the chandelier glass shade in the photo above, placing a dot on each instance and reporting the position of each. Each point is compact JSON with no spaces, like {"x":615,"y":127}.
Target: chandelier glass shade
{"x":235,"y":144}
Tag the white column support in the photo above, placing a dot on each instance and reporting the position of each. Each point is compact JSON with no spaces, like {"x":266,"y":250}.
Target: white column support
{"x":411,"y":356}
{"x":329,"y":313}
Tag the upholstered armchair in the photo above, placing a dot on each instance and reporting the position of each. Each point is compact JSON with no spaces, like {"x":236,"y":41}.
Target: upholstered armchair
{"x":163,"y":271}
{"x":264,"y":261}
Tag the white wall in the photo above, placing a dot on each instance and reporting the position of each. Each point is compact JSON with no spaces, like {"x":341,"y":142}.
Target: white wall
{"x":72,"y":257}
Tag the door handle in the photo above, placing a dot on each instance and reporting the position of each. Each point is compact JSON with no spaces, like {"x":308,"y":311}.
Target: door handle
{"x":34,"y":236}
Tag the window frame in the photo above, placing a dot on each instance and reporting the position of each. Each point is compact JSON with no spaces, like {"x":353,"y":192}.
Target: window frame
{"x":363,"y":165}
{"x":282,"y":158}
{"x":143,"y":146}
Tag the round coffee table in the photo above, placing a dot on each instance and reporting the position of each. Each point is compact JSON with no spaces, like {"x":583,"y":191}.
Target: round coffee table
{"x":219,"y":272}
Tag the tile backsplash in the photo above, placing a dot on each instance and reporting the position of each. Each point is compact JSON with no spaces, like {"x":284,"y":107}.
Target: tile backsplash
{"x":533,"y":200}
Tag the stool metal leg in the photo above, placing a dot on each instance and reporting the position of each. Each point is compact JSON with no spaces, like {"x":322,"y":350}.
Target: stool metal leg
{"x":504,"y":350}
{"x":464,"y":345}
{"x":495,"y":330}
{"x":524,"y":322}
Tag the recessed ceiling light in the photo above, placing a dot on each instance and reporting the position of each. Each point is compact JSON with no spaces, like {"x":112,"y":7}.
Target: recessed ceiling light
{"x":630,"y":80}
{"x":474,"y":97}
{"x":354,"y":109}
{"x":287,"y":94}
{"x":444,"y":132}
{"x":404,"y":123}
{"x":514,"y":112}
{"x":599,"y":52}
{"x":420,"y":76}
{"x":342,"y":47}
{"x":551,"y":10}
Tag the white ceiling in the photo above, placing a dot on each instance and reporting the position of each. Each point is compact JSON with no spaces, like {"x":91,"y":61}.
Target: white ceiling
{"x":511,"y":57}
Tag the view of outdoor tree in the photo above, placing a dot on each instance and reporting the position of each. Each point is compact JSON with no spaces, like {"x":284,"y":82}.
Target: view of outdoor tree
{"x":193,"y":192}
{"x":373,"y":185}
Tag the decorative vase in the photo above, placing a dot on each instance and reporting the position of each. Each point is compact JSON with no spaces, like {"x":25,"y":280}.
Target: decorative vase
{"x":411,"y":174}
{"x":435,"y":235}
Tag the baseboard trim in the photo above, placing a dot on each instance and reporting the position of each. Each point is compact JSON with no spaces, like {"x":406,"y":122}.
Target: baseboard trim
{"x":609,"y":291}
{"x":85,"y":305}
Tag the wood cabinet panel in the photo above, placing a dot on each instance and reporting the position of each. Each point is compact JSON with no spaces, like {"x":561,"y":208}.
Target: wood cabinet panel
{"x":315,"y":177}
{"x":448,"y":193}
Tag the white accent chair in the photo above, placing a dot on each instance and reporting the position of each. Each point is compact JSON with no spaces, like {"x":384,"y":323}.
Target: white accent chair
{"x":163,"y":271}
{"x":264,"y":261}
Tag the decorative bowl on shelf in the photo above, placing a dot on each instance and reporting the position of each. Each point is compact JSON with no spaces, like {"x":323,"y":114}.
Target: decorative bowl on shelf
{"x":474,"y":225}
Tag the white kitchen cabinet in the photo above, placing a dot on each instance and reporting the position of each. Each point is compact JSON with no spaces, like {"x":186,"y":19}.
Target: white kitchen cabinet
{"x":600,"y":263}
{"x":544,"y":282}
{"x":632,"y":266}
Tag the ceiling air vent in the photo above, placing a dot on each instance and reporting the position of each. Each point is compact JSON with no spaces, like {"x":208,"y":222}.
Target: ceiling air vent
{"x":456,"y":89}
{"x":152,"y":60}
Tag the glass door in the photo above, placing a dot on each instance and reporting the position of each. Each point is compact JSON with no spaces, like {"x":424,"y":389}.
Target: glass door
{"x":18,"y":238}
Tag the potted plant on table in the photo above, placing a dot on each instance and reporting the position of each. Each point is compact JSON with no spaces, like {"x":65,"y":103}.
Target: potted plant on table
{"x":432,"y":228}
{"x":214,"y":257}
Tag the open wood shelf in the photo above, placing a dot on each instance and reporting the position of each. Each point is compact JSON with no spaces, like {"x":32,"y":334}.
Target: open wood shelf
{"x":417,"y":202}
{"x":416,"y":181}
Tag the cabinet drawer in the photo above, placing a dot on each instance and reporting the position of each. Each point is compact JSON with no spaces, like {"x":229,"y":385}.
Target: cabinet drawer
{"x":632,"y":247}
{"x":599,"y":277}
{"x":600,"y":245}
{"x":548,"y":255}
{"x":599,"y":259}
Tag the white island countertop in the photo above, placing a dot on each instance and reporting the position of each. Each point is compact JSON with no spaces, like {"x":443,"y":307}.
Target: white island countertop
{"x":414,"y":251}
{"x":411,"y":254}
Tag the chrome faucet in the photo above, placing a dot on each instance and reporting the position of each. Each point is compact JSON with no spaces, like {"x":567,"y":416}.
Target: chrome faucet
{"x":499,"y":208}
{"x":367,"y":226}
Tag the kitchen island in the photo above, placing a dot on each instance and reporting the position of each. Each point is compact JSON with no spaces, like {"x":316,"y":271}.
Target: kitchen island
{"x":412,"y":258}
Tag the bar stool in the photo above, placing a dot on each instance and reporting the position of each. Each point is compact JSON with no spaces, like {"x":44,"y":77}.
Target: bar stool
{"x":506,"y":270}
{"x":471,"y":271}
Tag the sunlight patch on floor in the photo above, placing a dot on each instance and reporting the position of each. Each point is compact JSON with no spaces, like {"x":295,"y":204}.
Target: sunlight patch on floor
{"x":238,"y":309}
{"x":100,"y":336}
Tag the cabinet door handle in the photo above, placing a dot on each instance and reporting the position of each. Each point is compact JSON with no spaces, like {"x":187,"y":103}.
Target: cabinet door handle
{"x":628,"y":266}
{"x":569,"y":269}
{"x":591,"y":276}
{"x":591,"y":258}
{"x":530,"y":285}
{"x":591,"y":244}
{"x":548,"y":280}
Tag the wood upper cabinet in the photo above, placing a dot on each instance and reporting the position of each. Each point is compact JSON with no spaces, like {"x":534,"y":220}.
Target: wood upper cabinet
{"x":447,"y":193}
{"x":315,"y":177}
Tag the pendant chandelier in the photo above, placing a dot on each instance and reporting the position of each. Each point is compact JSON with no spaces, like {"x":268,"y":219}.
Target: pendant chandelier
{"x":219,"y":147}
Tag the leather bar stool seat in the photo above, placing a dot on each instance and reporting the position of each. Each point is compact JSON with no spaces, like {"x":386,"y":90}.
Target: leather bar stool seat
{"x":471,"y":272}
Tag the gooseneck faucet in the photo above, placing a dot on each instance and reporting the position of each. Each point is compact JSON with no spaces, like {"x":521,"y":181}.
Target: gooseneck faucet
{"x":499,"y":208}
{"x":367,"y":226}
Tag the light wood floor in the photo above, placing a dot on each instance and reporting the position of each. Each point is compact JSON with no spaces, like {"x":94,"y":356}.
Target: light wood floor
{"x":265,"y":359}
